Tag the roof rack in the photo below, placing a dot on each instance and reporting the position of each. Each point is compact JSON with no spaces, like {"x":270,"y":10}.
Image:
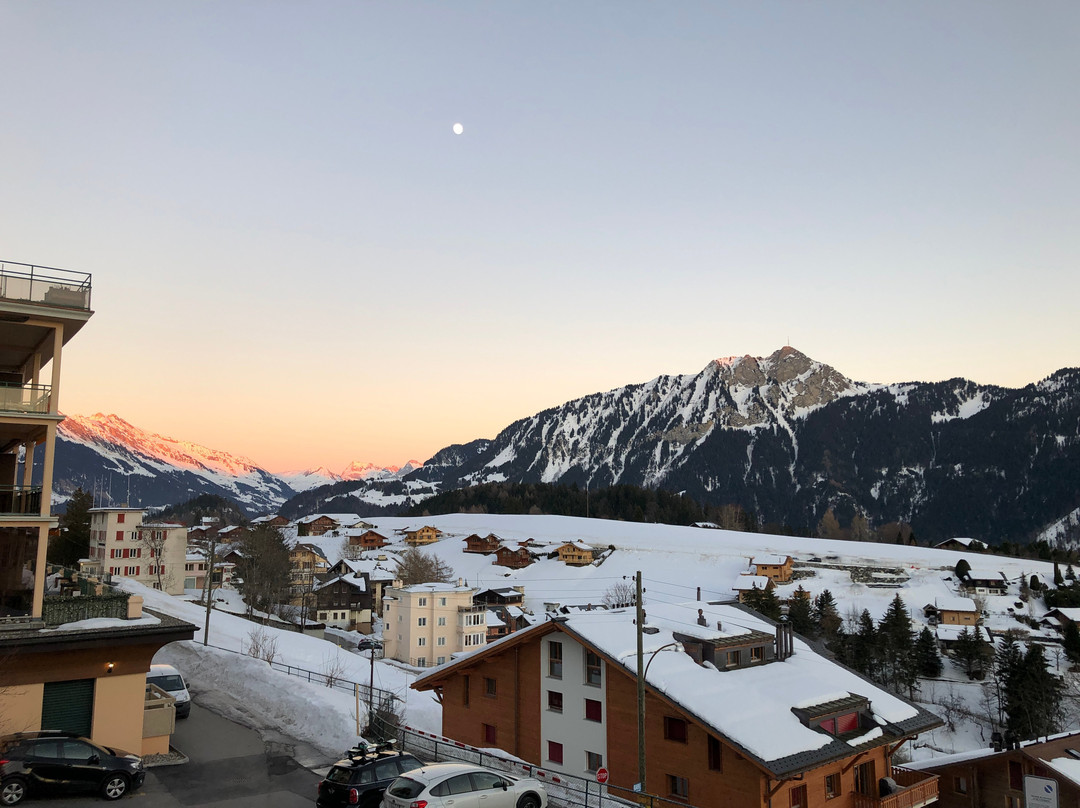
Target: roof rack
{"x":362,"y":752}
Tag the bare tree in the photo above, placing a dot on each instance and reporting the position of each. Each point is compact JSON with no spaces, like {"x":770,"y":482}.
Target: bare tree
{"x":620,"y":594}
{"x":153,"y":540}
{"x":416,"y":567}
{"x":333,"y":668}
{"x":262,"y":644}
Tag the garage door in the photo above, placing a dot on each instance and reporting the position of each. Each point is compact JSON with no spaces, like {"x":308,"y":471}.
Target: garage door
{"x":68,"y":706}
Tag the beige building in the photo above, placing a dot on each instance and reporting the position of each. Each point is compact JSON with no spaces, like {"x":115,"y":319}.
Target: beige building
{"x":424,"y":624}
{"x":55,"y":673}
{"x":153,"y":553}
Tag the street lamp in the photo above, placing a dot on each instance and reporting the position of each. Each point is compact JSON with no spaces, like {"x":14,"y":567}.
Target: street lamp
{"x":643,"y":671}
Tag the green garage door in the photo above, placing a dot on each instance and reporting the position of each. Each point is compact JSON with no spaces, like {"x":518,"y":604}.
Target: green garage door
{"x":68,"y":706}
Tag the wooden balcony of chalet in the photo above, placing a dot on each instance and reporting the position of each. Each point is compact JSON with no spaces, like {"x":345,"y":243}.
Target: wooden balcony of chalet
{"x":915,"y":789}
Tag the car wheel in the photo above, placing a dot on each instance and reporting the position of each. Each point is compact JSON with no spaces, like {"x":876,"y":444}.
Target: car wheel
{"x":114,"y":787}
{"x":529,"y":801}
{"x":12,"y":791}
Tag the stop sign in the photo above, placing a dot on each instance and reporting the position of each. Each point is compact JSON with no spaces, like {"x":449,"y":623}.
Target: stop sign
{"x":601,"y":775}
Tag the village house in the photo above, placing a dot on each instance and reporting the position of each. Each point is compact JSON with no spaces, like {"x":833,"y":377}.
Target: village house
{"x":121,"y":545}
{"x":738,"y":712}
{"x":994,"y":778}
{"x":308,"y":563}
{"x":1060,"y":617}
{"x":514,"y":556}
{"x":981,"y":581}
{"x":948,"y":635}
{"x":424,"y":624}
{"x":90,"y":679}
{"x":422,"y":535}
{"x":485,"y":546}
{"x":272,"y":521}
{"x":747,"y":583}
{"x":576,"y":553}
{"x":952,"y":611}
{"x":315,"y":525}
{"x":365,"y":538}
{"x":776,"y":567}
{"x":505,"y":610}
{"x":378,"y":573}
{"x":231,"y":533}
{"x":345,"y":602}
{"x":973,"y":545}
{"x":195,"y":570}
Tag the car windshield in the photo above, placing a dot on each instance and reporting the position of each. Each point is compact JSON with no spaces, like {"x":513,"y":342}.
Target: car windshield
{"x":167,"y":683}
{"x":339,"y":774}
{"x":405,"y":788}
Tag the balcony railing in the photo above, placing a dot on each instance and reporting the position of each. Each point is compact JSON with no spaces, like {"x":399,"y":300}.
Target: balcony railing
{"x":53,"y":287}
{"x":17,"y":500}
{"x":916,"y":789}
{"x":24,"y":398}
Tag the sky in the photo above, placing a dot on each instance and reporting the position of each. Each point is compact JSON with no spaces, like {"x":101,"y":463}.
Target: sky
{"x":295,"y":259}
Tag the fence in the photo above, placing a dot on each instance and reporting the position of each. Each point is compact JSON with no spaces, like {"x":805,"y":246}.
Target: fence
{"x":565,"y":790}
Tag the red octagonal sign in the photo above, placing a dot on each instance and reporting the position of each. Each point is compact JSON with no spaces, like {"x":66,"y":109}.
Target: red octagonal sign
{"x":601,"y":775}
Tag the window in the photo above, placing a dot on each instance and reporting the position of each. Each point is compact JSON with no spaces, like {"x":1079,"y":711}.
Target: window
{"x":421,"y":601}
{"x":421,"y":662}
{"x":592,"y":668}
{"x":865,"y":779}
{"x":555,"y":660}
{"x":757,"y":654}
{"x":490,"y":734}
{"x":1016,"y":776}
{"x":798,"y":796}
{"x":678,"y":786}
{"x":442,"y":601}
{"x":421,"y":640}
{"x":732,"y":659}
{"x":847,"y":723}
{"x":716,"y":754}
{"x":442,"y":621}
{"x":441,"y":641}
{"x":555,"y":701}
{"x":960,"y":785}
{"x":120,"y":518}
{"x":421,"y":621}
{"x":473,"y":639}
{"x":554,"y":752}
{"x":674,"y":729}
{"x":593,"y":711}
{"x":490,"y":686}
{"x":593,"y":761}
{"x":119,"y":535}
{"x":440,"y":660}
{"x":832,"y":785}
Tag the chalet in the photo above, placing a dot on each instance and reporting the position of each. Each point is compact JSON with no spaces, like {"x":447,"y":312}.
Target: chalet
{"x":345,"y":602}
{"x":272,"y":521}
{"x":308,"y":565}
{"x":985,"y":582}
{"x":365,"y":539}
{"x":776,"y":567}
{"x":504,"y":596}
{"x":514,"y":556}
{"x":486,"y":545}
{"x":737,"y":711}
{"x":378,"y":573}
{"x":974,"y":545}
{"x":231,"y":533}
{"x":952,"y":611}
{"x":505,"y":614}
{"x":747,"y":583}
{"x":422,"y":535}
{"x":316,"y":524}
{"x":995,"y":777}
{"x":1059,"y":618}
{"x":200,"y":533}
{"x":947,"y":636}
{"x":576,"y":553}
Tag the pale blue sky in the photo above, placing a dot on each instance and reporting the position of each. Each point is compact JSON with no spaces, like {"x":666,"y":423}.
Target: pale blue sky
{"x":295,"y":259}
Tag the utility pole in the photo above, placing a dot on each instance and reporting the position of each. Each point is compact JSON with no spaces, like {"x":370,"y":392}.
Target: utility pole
{"x":371,"y":693}
{"x":208,"y":587}
{"x":640,"y":623}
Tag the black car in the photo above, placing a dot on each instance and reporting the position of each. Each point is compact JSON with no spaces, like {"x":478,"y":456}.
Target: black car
{"x":63,"y":763}
{"x":368,"y":644}
{"x":362,"y":777}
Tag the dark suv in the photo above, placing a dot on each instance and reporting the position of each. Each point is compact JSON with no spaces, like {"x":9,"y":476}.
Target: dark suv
{"x":62,"y":762}
{"x":362,"y":777}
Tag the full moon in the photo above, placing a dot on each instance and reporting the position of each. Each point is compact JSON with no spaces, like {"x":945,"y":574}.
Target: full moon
{"x":458,"y":128}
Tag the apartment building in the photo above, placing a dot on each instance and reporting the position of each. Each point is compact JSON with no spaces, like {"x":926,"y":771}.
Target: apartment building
{"x":152,"y":553}
{"x":737,"y":711}
{"x":424,"y":624}
{"x":52,"y":676}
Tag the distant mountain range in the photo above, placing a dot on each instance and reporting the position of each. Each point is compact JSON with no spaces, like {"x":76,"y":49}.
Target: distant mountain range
{"x":784,"y":436}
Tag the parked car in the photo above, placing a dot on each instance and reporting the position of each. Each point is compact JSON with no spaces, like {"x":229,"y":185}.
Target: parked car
{"x":361,"y":777}
{"x":172,"y":682}
{"x":50,"y":762}
{"x":367,"y":643}
{"x":440,"y":785}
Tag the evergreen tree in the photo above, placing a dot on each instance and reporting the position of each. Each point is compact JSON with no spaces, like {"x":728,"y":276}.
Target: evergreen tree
{"x":765,"y":602}
{"x":896,"y":648}
{"x":864,"y":646}
{"x":1071,"y":641}
{"x":265,"y":568}
{"x":1058,"y":579}
{"x":962,"y":569}
{"x":928,"y":660}
{"x":73,"y":539}
{"x":799,"y":613}
{"x":1006,"y":662}
{"x":1034,"y":697}
{"x":971,"y":651}
{"x":826,"y":617}
{"x":1070,"y":575}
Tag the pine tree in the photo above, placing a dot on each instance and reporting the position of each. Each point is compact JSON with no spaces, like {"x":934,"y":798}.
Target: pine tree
{"x":1006,"y":662}
{"x":765,"y":602}
{"x":1070,"y":575}
{"x":1071,"y":641}
{"x":864,"y":646}
{"x":1058,"y":579}
{"x":1034,"y":697}
{"x":962,"y":569}
{"x":826,"y":616}
{"x":926,"y":655}
{"x":799,"y":613}
{"x":73,"y":541}
{"x":896,"y":648}
{"x":971,"y":651}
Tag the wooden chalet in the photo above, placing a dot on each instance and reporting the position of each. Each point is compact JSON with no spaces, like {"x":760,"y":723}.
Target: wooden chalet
{"x":484,"y":545}
{"x":576,"y":553}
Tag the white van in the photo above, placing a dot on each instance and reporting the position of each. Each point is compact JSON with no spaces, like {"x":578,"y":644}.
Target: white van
{"x":172,"y":682}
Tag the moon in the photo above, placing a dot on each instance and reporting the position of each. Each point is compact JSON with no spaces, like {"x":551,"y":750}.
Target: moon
{"x":458,"y":128}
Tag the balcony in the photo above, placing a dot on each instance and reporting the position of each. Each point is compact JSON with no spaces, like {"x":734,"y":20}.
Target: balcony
{"x":916,"y":789}
{"x":61,"y":288}
{"x":28,"y":398}
{"x":18,"y":500}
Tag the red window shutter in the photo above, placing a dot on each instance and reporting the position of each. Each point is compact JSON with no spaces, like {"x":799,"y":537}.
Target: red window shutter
{"x":847,"y":723}
{"x":119,"y":535}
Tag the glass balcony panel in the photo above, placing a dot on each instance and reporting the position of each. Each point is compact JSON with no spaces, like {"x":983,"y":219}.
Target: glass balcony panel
{"x":48,"y":285}
{"x":17,"y":500}
{"x":25,"y":398}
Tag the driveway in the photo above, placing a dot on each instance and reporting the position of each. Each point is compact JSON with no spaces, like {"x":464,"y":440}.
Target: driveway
{"x":229,"y":766}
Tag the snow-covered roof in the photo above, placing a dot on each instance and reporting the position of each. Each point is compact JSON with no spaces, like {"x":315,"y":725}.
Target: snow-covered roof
{"x":1068,"y":612}
{"x":492,"y":620}
{"x":436,"y":587}
{"x":954,"y":604}
{"x":577,"y":544}
{"x":965,"y":542}
{"x":745,"y":583}
{"x":985,"y":574}
{"x":359,"y":584}
{"x":771,"y":560}
{"x":949,"y":633}
{"x":751,"y":707}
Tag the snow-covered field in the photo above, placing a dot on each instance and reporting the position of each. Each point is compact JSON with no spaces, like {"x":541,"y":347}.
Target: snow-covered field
{"x":678,"y":564}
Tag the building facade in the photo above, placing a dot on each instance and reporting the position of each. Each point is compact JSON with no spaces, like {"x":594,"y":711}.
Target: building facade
{"x":424,"y":624}
{"x":153,"y":553}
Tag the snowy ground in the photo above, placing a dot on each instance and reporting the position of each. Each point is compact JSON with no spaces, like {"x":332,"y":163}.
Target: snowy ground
{"x":676,"y":563}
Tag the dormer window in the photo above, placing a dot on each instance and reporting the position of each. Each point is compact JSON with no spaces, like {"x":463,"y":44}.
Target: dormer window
{"x":841,"y":717}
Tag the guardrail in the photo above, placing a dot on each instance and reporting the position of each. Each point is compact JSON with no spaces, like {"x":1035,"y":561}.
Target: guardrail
{"x":30,"y":398}
{"x":48,"y":285}
{"x":18,"y":500}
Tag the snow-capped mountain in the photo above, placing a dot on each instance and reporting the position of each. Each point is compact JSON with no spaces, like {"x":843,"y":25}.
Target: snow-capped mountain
{"x":309,"y":478}
{"x":787,"y":437}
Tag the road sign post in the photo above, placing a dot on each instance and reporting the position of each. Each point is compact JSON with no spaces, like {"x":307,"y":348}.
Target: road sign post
{"x":602,"y":775}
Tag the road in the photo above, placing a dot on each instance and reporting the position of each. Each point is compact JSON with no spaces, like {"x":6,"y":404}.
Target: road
{"x":229,"y":766}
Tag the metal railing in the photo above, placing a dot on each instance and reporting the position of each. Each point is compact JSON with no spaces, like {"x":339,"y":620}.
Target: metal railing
{"x":25,"y":397}
{"x":18,"y":500}
{"x":564,"y":790}
{"x":48,"y":285}
{"x":916,"y":790}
